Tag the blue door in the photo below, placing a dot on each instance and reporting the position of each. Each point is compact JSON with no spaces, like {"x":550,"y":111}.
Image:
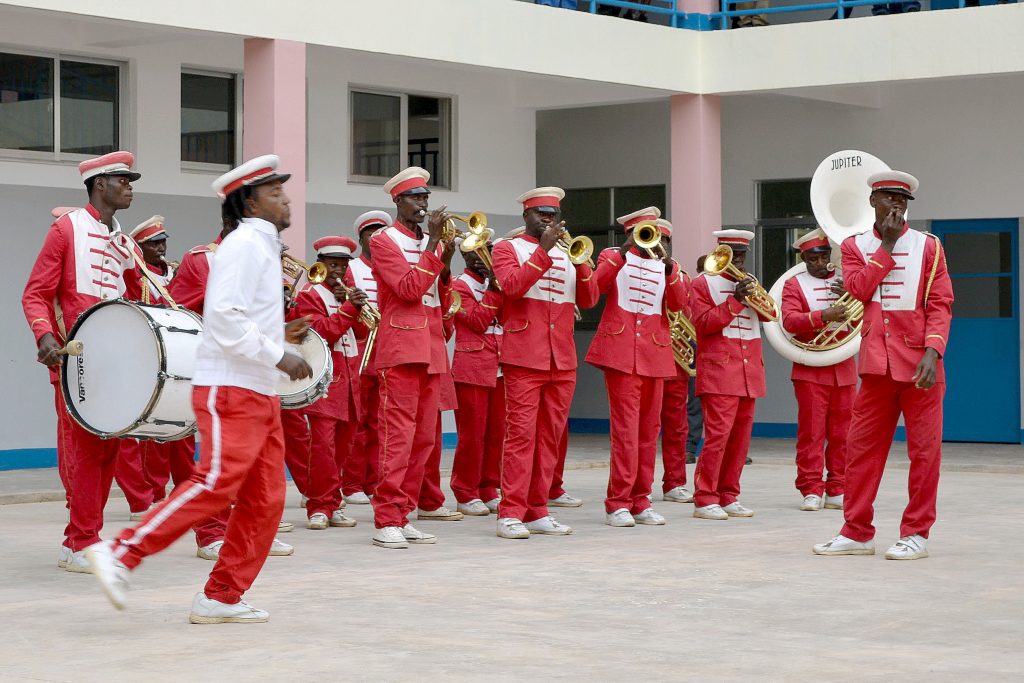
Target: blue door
{"x":983,"y":356}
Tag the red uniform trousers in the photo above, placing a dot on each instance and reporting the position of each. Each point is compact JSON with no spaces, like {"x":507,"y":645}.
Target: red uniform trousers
{"x":675,"y":428}
{"x":130,"y":475}
{"x":408,"y":420}
{"x":91,"y":477}
{"x":172,"y":461}
{"x":558,"y":478}
{"x":65,"y":444}
{"x":480,"y":421}
{"x":241,"y":459}
{"x":361,"y":473}
{"x":297,"y":445}
{"x":634,"y":404}
{"x":328,"y":454}
{"x":536,"y":412}
{"x":823,"y":412}
{"x":728,"y":421}
{"x":876,"y":412}
{"x":431,"y":496}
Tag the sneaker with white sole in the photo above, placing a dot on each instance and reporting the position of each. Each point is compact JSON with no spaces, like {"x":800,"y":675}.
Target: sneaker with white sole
{"x":317,"y":521}
{"x":679,"y":494}
{"x":548,"y":526}
{"x":510,"y":527}
{"x":357,"y":498}
{"x":109,"y":571}
{"x":649,"y":516}
{"x":207,"y":611}
{"x":834,"y":502}
{"x":210,"y":551}
{"x":908,"y":548}
{"x":565,"y":501}
{"x":811,"y":503}
{"x":474,"y":508}
{"x":64,"y":557}
{"x":492,"y":505}
{"x":78,"y":563}
{"x":619,"y":518}
{"x":713,"y":511}
{"x":734,"y":509}
{"x":338,"y":519}
{"x":302,"y":502}
{"x":390,"y":537}
{"x":280,"y":549}
{"x":841,"y":545}
{"x":441,"y":514}
{"x":414,"y":535}
{"x":284,"y":527}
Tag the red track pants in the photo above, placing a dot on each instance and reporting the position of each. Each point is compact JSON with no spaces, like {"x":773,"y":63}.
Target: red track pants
{"x":65,"y":444}
{"x":876,"y":411}
{"x":91,"y":476}
{"x":130,"y":475}
{"x":728,"y":421}
{"x":480,"y":421}
{"x":823,"y":412}
{"x":331,"y":443}
{"x":558,"y":478}
{"x":675,"y":428}
{"x":241,"y":460}
{"x":431,"y":496}
{"x":634,"y":404}
{"x":361,"y":472}
{"x":297,"y":447}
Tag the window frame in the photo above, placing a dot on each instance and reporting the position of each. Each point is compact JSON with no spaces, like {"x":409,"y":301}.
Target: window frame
{"x":123,"y":110}
{"x":760,"y":225}
{"x":204,"y":167}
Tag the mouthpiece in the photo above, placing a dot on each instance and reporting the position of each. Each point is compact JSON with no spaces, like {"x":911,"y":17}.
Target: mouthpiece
{"x":422,"y":212}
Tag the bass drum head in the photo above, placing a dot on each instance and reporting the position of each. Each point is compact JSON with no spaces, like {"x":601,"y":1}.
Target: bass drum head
{"x":109,"y":387}
{"x":314,"y":351}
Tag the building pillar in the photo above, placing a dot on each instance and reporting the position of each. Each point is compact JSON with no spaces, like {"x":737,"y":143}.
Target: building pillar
{"x":274,"y":120}
{"x":696,"y":191}
{"x":698,"y":11}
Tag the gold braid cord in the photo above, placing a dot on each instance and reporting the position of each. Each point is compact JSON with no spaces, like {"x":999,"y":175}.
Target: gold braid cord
{"x":935,"y":267}
{"x":141,"y":265}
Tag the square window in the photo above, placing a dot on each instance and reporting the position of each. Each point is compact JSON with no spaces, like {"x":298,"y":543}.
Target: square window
{"x":208,"y":118}
{"x":89,"y":108}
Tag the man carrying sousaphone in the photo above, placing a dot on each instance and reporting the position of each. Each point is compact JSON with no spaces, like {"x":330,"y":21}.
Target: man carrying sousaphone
{"x":824,"y":395}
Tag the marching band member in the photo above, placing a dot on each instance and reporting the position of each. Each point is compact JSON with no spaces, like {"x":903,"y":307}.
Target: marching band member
{"x":824,"y":395}
{"x":730,"y":377}
{"x":633,"y":348}
{"x":333,"y":309}
{"x":359,"y":479}
{"x":541,"y":287}
{"x":900,"y":275}
{"x":430,"y":504}
{"x":188,"y":287}
{"x":480,"y":389}
{"x":84,"y":260}
{"x":239,"y":361}
{"x":411,"y":268}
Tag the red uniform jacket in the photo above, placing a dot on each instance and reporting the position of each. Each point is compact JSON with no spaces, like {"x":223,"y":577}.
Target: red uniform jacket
{"x":188,"y":288}
{"x":79,"y":265}
{"x":478,"y":333}
{"x":334,"y":323}
{"x":412,"y":300}
{"x":898,"y":323}
{"x":538,"y":316}
{"x":633,"y":334}
{"x":729,"y":359}
{"x":801,"y":317}
{"x":360,"y":274}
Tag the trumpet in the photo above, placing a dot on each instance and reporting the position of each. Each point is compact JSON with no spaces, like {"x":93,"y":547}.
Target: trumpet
{"x":647,"y":236}
{"x":578,"y":249}
{"x":476,"y":223}
{"x":719,"y":261}
{"x":477,"y":242}
{"x":368,"y":313}
{"x":173,"y":265}
{"x":684,"y":341}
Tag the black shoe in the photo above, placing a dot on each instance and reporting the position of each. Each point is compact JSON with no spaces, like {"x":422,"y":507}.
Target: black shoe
{"x":749,"y":460}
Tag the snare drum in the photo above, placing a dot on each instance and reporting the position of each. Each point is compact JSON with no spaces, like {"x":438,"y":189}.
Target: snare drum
{"x":304,"y":392}
{"x":134,"y":376}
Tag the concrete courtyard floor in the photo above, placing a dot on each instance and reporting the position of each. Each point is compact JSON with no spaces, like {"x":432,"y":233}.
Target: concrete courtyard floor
{"x":742,"y":600}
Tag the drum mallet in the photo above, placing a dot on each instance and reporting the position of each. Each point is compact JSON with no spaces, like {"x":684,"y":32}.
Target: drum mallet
{"x":73,"y":348}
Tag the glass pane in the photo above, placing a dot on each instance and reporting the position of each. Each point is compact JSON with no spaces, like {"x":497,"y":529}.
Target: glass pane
{"x":376,"y":134}
{"x":630,"y":199}
{"x":978,"y":252}
{"x":784,"y":199}
{"x":777,"y":253}
{"x":26,"y":103}
{"x":89,"y":108}
{"x":208,"y":119}
{"x":587,"y":209}
{"x":983,"y":297}
{"x":429,"y":135}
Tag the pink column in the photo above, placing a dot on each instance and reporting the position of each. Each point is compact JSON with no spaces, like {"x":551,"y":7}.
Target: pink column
{"x":696,"y":190}
{"x":274,"y":120}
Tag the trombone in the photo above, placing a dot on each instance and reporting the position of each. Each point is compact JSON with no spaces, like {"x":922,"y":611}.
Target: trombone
{"x":647,"y":236}
{"x":719,"y":261}
{"x":579,"y":249}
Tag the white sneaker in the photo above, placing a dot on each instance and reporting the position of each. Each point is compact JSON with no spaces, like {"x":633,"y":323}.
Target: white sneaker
{"x":811,"y":503}
{"x":736,"y":510}
{"x":64,"y":557}
{"x":78,"y":563}
{"x":565,"y":501}
{"x":206,"y":611}
{"x":210,"y":551}
{"x":474,"y":508}
{"x":390,"y":537}
{"x":679,"y":494}
{"x":284,"y":527}
{"x":317,"y":521}
{"x":357,"y":498}
{"x":510,"y":527}
{"x":492,"y":505}
{"x":620,"y":518}
{"x":441,"y":514}
{"x":109,"y":571}
{"x":713,"y":511}
{"x":908,"y":548}
{"x":136,"y":516}
{"x":841,"y":545}
{"x":338,"y":519}
{"x":834,"y":502}
{"x":280,"y":549}
{"x":548,"y":526}
{"x":414,"y":535}
{"x":649,"y":516}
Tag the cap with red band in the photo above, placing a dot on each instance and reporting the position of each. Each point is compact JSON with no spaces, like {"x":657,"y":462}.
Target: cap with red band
{"x":115,"y":163}
{"x":258,"y":171}
{"x":335,"y":246}
{"x":372,"y":219}
{"x":894,"y":181}
{"x":544,"y":199}
{"x":664,"y":226}
{"x":152,"y":229}
{"x":739,"y":240}
{"x":412,"y":180}
{"x":815,"y":240}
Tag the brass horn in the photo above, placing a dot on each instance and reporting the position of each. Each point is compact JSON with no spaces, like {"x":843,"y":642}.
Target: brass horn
{"x":719,"y":261}
{"x":477,"y":242}
{"x":578,"y":249}
{"x":684,"y":341}
{"x":647,"y":236}
{"x":295,"y":269}
{"x":476,"y":223}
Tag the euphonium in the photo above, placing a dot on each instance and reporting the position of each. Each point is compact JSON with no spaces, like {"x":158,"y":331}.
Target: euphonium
{"x":647,"y":236}
{"x":578,"y":249}
{"x":684,"y":341}
{"x":719,"y":261}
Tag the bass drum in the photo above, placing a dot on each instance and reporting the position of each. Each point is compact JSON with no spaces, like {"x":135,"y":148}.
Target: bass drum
{"x":134,"y":375}
{"x":301,"y":393}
